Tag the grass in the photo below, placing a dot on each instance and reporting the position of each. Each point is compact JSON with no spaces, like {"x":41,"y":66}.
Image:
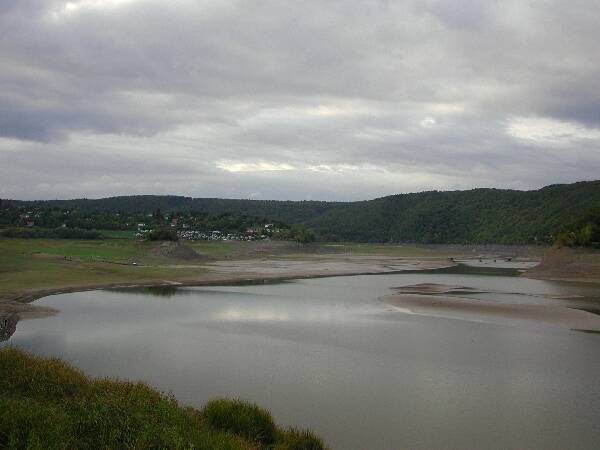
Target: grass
{"x":44,"y":403}
{"x":41,"y":264}
{"x":113,"y":249}
{"x":118,"y":234}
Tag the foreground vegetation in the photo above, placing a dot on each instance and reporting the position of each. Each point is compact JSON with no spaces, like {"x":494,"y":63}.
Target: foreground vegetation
{"x":477,"y":216}
{"x":44,"y":403}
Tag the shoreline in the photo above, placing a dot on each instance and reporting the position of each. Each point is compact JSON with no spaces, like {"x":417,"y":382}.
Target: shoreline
{"x":19,"y":303}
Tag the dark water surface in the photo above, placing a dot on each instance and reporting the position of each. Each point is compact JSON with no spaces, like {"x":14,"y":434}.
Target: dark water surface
{"x":328,"y":355}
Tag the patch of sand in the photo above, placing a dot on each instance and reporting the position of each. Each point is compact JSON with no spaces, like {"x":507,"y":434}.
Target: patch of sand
{"x":484,"y":311}
{"x":328,"y":265}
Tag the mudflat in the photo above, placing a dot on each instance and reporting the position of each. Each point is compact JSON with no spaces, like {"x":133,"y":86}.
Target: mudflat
{"x":447,"y":301}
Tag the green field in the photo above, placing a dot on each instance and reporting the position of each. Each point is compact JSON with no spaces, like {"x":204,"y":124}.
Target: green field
{"x":118,"y":234}
{"x":30,"y":264}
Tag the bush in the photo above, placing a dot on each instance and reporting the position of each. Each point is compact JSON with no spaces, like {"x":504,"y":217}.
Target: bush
{"x":295,"y":439}
{"x":27,"y":423}
{"x":162,"y":235}
{"x":242,"y":418}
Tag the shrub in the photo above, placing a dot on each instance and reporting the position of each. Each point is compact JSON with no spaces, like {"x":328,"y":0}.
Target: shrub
{"x":242,"y":418}
{"x":163,"y":234}
{"x":295,"y":439}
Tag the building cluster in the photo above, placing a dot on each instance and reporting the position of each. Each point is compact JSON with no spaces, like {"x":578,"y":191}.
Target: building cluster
{"x":251,"y":234}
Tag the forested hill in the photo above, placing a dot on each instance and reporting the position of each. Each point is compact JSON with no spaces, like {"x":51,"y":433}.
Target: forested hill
{"x":474,"y":216}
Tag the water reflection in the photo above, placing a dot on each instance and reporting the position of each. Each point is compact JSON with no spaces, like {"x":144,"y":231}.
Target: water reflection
{"x":155,"y":291}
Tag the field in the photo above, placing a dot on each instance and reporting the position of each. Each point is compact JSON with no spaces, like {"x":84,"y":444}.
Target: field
{"x":29,"y":264}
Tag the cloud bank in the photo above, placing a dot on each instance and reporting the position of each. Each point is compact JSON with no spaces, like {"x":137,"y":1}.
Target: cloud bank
{"x":337,"y":100}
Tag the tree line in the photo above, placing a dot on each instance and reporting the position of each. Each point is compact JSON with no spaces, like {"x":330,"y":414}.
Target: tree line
{"x":476,"y":216}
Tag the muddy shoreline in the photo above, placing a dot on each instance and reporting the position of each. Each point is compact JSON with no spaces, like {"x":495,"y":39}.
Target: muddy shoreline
{"x":231,"y":272}
{"x":269,"y":270}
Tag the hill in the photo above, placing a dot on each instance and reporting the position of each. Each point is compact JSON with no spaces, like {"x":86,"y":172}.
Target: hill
{"x":474,"y":216}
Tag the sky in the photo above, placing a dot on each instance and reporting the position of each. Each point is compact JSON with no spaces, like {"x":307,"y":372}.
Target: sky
{"x":301,"y":100}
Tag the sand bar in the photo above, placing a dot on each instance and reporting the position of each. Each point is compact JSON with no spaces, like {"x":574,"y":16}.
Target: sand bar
{"x":485,"y":311}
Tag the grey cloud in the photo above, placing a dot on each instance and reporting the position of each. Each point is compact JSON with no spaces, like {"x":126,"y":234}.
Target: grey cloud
{"x":415,"y":88}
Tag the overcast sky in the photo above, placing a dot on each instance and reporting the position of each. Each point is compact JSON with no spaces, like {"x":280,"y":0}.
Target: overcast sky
{"x":332,"y":100}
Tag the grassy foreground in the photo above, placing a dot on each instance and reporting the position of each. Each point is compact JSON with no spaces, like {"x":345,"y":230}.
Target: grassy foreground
{"x":46,"y":404}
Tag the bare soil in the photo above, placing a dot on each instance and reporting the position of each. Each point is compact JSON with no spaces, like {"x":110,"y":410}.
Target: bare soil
{"x":565,"y":263}
{"x":174,"y":250}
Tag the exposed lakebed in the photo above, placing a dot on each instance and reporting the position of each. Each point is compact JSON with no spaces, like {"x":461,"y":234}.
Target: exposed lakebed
{"x":331,"y":355}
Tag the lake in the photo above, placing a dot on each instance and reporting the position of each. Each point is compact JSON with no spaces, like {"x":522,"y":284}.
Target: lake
{"x":329,"y":355}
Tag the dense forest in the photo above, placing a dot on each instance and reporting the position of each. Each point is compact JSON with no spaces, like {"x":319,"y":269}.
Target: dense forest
{"x":463,"y":217}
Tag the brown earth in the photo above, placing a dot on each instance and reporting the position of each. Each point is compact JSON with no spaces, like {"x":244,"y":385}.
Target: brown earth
{"x":174,"y":250}
{"x":569,"y":264}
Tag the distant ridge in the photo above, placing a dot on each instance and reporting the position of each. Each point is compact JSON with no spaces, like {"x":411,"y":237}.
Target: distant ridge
{"x":474,"y":216}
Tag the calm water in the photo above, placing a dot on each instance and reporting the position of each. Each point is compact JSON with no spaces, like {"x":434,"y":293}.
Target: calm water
{"x":328,"y":355}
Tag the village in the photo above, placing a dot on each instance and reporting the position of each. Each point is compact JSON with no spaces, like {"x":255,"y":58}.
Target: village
{"x":184,"y":232}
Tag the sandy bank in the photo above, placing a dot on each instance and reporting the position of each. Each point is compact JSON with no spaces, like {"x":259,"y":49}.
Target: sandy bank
{"x":486,"y":311}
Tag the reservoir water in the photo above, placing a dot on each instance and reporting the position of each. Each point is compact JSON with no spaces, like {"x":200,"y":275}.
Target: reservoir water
{"x":329,"y":355}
